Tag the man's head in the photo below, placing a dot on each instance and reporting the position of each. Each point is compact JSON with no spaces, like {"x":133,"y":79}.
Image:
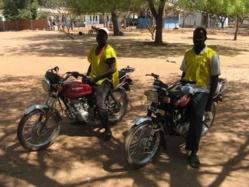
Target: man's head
{"x":102,"y":36}
{"x":199,"y":37}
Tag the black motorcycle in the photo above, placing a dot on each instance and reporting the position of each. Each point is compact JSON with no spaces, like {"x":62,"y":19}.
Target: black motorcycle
{"x":167,"y":115}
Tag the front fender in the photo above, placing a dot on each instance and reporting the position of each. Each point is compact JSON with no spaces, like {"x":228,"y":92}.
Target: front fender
{"x":43,"y":108}
{"x":141,"y":120}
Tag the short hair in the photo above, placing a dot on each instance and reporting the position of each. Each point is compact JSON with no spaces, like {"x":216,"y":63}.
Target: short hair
{"x":201,"y":29}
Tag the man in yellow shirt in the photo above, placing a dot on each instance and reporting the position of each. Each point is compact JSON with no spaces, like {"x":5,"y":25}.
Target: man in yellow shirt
{"x":201,"y":69}
{"x":103,"y":74}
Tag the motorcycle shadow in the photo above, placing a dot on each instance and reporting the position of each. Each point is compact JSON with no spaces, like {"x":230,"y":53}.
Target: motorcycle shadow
{"x":90,"y":129}
{"x":172,"y":151}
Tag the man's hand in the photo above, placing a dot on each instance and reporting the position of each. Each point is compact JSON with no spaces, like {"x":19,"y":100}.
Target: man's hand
{"x":91,"y":80}
{"x":75,"y":74}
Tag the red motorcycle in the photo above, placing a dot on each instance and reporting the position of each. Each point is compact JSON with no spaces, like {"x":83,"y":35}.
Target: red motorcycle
{"x":40,"y":123}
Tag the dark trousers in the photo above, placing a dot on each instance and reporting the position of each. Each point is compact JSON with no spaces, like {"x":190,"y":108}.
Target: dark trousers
{"x":197,"y":109}
{"x":101,"y":92}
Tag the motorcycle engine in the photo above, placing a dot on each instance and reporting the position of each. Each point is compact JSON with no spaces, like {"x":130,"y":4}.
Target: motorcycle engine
{"x":79,"y":109}
{"x":182,"y":124}
{"x":182,"y":129}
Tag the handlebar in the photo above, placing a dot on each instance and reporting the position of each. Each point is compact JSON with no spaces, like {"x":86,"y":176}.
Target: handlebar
{"x":153,"y":75}
{"x":75,"y":74}
{"x":54,"y":70}
{"x":169,"y":86}
{"x":128,"y":69}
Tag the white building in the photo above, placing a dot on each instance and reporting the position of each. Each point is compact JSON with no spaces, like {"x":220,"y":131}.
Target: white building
{"x":196,"y":19}
{"x":1,"y":16}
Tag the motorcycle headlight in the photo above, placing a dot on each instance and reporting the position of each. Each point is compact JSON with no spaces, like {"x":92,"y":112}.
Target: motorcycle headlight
{"x":46,"y":85}
{"x":151,"y":96}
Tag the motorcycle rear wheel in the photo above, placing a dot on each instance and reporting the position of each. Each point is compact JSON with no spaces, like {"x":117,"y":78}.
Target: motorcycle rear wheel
{"x":37,"y":130}
{"x":139,"y":150}
{"x":117,"y":106}
{"x":208,"y":123}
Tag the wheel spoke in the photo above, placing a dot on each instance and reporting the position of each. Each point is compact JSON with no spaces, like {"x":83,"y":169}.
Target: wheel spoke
{"x":37,"y":130}
{"x":139,"y":151}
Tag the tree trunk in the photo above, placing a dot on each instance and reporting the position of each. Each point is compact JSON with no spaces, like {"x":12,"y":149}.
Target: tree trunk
{"x":158,"y":14}
{"x":236,"y":28}
{"x":115,"y":23}
{"x":159,"y":30}
{"x":207,"y":20}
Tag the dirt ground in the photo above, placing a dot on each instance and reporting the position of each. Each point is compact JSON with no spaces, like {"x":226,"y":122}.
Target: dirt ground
{"x":80,"y":157}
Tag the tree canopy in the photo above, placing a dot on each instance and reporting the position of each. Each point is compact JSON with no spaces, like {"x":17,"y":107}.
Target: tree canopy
{"x":120,"y":9}
{"x":20,"y":9}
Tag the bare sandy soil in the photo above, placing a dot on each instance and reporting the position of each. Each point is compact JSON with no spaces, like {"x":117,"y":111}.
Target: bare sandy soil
{"x":80,"y":157}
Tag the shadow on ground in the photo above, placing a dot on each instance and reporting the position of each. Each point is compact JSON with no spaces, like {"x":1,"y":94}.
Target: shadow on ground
{"x":60,"y":44}
{"x":83,"y":144}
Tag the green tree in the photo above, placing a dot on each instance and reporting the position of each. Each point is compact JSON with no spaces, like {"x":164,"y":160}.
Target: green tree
{"x":20,"y":9}
{"x":161,"y":9}
{"x":117,"y":8}
{"x":1,"y":4}
{"x":239,"y":9}
{"x":157,"y":9}
{"x":29,"y":11}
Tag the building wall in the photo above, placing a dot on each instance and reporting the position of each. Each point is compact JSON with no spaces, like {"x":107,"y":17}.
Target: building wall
{"x":24,"y":25}
{"x":192,"y":20}
{"x":168,"y":23}
{"x":171,"y":22}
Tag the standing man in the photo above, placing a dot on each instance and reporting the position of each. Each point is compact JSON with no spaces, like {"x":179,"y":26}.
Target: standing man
{"x":103,"y":74}
{"x":201,"y":69}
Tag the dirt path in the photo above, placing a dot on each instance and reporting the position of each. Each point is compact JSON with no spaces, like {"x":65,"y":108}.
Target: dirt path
{"x":79,"y":157}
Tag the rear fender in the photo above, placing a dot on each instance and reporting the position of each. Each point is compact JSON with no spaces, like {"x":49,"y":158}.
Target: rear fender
{"x":43,"y":108}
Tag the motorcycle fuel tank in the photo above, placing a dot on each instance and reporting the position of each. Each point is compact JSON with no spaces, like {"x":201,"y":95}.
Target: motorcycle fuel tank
{"x":75,"y":89}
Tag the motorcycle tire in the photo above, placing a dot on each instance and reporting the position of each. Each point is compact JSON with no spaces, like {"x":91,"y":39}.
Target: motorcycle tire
{"x":208,"y":123}
{"x":117,"y":103}
{"x":90,"y":32}
{"x":38,"y":130}
{"x":139,"y":151}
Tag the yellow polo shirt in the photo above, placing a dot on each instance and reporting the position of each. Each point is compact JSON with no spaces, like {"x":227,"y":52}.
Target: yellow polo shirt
{"x":99,"y":65}
{"x":198,"y":67}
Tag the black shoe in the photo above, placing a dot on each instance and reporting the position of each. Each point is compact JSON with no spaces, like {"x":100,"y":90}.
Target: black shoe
{"x":107,"y":135}
{"x":194,"y":161}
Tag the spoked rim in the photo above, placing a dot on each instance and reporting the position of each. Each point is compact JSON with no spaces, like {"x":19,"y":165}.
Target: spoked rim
{"x":37,"y":130}
{"x":116,"y":110}
{"x":140,"y":149}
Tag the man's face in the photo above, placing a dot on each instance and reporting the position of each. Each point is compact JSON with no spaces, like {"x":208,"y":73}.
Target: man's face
{"x":101,"y":37}
{"x":199,"y":38}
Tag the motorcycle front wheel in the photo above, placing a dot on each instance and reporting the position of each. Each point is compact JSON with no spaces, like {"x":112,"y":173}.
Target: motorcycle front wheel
{"x":38,"y":130}
{"x":141,"y":145}
{"x":117,"y":103}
